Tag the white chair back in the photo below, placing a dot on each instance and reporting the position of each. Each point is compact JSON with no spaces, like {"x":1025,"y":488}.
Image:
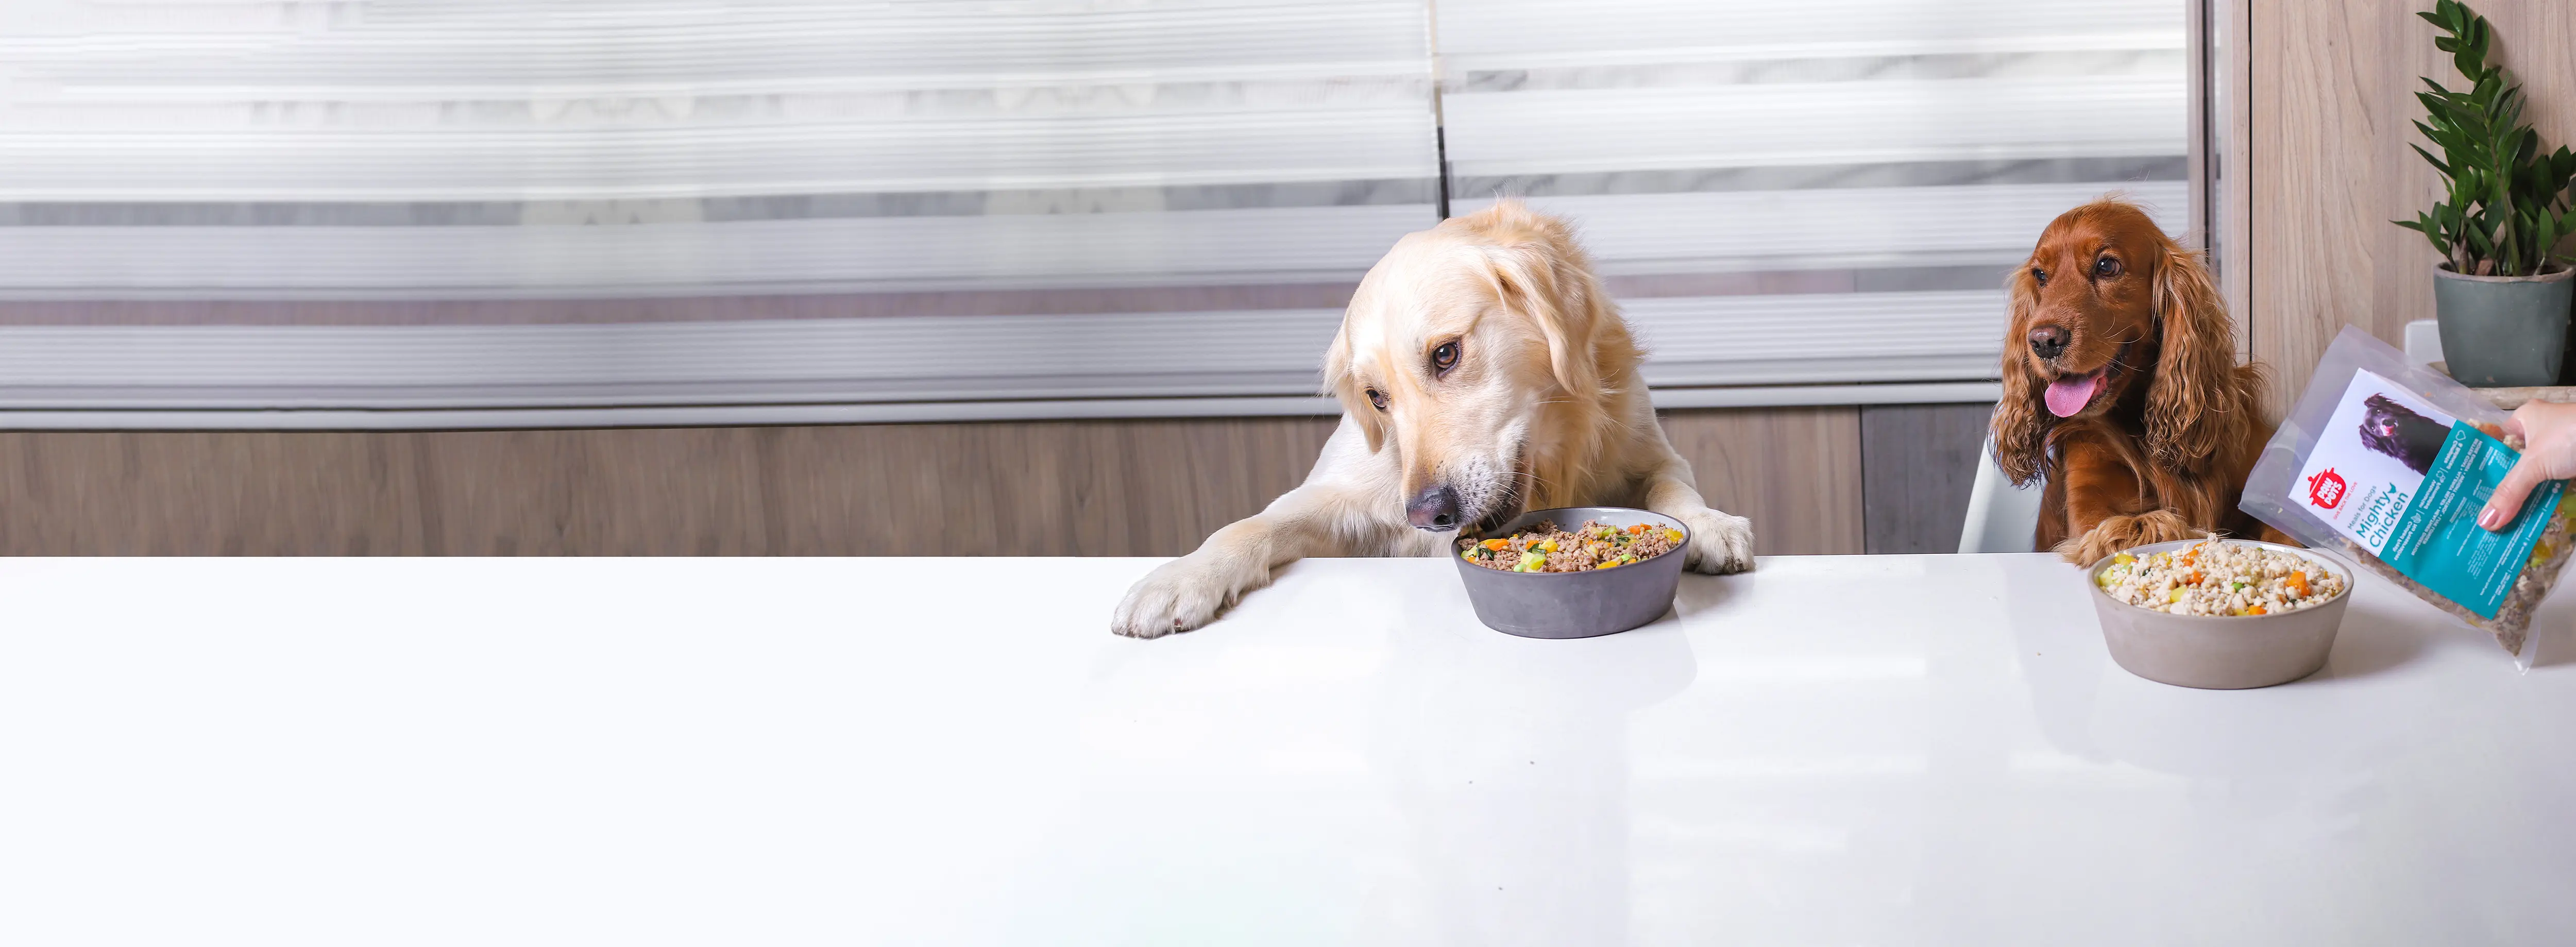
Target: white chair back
{"x":2001,"y":517}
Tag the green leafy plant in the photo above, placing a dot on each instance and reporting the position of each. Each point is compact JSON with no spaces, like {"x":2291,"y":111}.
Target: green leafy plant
{"x":2506,"y":208}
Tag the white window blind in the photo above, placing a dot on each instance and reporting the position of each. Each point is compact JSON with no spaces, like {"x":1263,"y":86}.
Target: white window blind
{"x":414,"y":204}
{"x":558,"y":206}
{"x":1829,"y":191}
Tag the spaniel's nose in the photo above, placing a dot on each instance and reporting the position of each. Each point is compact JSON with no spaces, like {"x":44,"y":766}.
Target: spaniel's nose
{"x":1435,"y":508}
{"x":2047,"y":341}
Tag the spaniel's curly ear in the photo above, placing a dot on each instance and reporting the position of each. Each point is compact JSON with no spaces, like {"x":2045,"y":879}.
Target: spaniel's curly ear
{"x":2020,"y":424}
{"x":2192,"y":403}
{"x":1339,"y":383}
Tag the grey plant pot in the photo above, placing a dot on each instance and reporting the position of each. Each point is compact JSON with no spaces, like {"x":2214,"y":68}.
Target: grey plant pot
{"x":2503,"y":331}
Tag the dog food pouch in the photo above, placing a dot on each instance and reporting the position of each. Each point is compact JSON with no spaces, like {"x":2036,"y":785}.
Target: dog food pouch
{"x":2390,"y":463}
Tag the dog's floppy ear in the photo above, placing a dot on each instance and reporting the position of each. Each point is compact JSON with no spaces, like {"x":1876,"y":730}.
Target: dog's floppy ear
{"x":2191,"y":403}
{"x":2020,"y":426}
{"x":1538,"y":273}
{"x":1355,"y":402}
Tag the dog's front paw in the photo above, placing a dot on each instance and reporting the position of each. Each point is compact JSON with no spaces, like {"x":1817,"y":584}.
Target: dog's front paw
{"x":2125,"y":532}
{"x":1720,"y":543}
{"x":1182,"y":595}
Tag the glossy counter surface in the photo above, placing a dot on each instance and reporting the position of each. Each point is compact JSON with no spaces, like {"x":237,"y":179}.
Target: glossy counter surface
{"x":1830,"y":750}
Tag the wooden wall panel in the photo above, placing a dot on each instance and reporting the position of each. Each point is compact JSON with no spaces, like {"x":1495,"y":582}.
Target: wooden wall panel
{"x":1099,"y":488}
{"x":1795,"y":471}
{"x":1052,"y":488}
{"x":1918,"y":464}
{"x":2332,"y":110}
{"x":208,"y":494}
{"x":626,"y":492}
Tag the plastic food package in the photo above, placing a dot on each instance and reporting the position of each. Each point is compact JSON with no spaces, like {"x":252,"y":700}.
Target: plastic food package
{"x":2388,"y":464}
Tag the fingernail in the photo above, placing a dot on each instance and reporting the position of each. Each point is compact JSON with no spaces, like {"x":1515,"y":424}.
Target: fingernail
{"x":2491,"y":518}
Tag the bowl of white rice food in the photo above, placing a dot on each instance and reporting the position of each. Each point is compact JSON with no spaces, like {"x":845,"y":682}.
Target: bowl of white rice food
{"x":2220,"y":640}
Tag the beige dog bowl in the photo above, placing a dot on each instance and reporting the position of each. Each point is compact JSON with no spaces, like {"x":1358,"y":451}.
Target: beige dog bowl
{"x":2220,"y":652}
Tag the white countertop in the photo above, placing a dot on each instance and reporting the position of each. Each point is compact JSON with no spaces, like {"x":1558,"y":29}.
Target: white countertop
{"x":1830,"y":750}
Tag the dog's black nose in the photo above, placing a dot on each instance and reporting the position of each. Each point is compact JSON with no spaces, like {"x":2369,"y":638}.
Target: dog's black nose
{"x":1435,"y":508}
{"x":2047,"y":341}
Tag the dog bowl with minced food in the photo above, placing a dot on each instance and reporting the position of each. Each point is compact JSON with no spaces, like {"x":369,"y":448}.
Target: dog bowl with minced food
{"x":1593,"y":602}
{"x":2255,"y":636}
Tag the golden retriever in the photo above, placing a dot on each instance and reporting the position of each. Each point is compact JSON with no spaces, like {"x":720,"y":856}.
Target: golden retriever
{"x":1482,"y":373}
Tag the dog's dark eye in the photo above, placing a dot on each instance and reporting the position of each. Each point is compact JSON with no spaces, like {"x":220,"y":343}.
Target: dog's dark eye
{"x":2039,"y":276}
{"x":2105,"y":268}
{"x":1444,"y":358}
{"x":1377,"y":398}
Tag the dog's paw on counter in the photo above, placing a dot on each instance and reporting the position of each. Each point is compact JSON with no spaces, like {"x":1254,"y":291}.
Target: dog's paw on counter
{"x":1181,"y":595}
{"x":2117,"y":533}
{"x":1721,"y":543}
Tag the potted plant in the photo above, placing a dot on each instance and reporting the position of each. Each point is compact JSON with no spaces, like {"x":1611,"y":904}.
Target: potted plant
{"x":2501,"y":294}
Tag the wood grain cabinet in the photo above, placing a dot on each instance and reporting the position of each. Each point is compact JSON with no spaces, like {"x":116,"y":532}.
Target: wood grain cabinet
{"x":1815,"y":480}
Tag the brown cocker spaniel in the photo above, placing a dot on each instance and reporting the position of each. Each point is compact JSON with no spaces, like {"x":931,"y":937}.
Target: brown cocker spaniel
{"x":2121,"y":387}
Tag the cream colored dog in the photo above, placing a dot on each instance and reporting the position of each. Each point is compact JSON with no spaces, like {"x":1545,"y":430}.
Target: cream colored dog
{"x":1482,"y":373}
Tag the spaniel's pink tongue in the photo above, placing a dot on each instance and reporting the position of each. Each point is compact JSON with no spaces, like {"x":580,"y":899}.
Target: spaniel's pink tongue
{"x":2069,"y":395}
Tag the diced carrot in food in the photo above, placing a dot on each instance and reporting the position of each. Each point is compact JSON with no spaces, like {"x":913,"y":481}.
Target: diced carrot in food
{"x":2254,"y":610}
{"x":1552,"y":549}
{"x":2298,"y":583}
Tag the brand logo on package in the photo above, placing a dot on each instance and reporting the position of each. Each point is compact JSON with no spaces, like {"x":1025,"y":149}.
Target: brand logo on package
{"x":2325,"y":490}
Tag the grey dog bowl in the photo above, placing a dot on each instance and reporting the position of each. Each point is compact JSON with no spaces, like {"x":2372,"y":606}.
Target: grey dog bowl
{"x":1575,"y":604}
{"x":2215,"y":651}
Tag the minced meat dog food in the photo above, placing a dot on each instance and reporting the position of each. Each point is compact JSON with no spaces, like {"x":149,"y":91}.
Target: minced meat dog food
{"x":2219,"y":578}
{"x":1591,"y":546}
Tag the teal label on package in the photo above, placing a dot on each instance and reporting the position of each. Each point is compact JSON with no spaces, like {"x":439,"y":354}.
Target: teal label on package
{"x":2405,"y":481}
{"x":2437,"y":540}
